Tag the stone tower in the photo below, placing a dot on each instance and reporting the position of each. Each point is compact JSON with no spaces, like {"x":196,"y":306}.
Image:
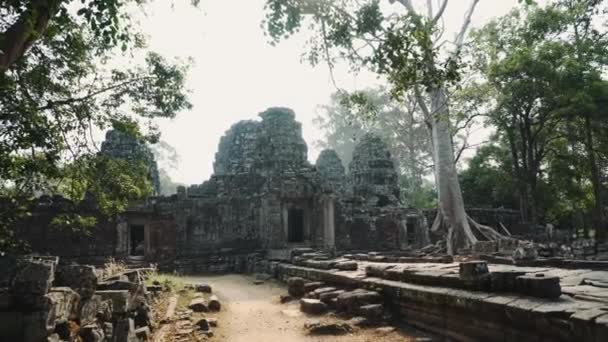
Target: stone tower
{"x":124,"y":146}
{"x":373,"y":174}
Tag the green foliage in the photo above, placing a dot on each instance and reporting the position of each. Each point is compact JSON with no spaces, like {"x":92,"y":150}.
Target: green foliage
{"x":543,"y":67}
{"x":487,"y":181}
{"x":67,"y":85}
{"x":401,"y":46}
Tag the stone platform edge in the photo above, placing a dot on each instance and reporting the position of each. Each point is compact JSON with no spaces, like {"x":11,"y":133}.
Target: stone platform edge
{"x":475,"y":315}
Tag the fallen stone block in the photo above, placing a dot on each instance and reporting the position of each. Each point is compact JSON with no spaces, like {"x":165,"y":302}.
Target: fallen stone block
{"x":198,"y":305}
{"x":63,"y":304}
{"x":320,"y":264}
{"x":203,"y":324}
{"x":537,"y":285}
{"x":204,"y":288}
{"x":472,"y":270}
{"x":311,"y":286}
{"x":295,"y":287}
{"x":33,"y":276}
{"x":214,"y":303}
{"x":504,"y":281}
{"x":81,"y":278}
{"x":95,"y":308}
{"x":326,"y":297}
{"x":377,"y":271}
{"x":119,"y":299}
{"x":316,"y":293}
{"x":347,"y":266}
{"x":312,"y":306}
{"x":373,"y":312}
{"x":318,"y":328}
{"x":352,"y":301}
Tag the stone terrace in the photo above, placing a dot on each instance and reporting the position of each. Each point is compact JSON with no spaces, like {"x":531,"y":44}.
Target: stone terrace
{"x":474,"y":311}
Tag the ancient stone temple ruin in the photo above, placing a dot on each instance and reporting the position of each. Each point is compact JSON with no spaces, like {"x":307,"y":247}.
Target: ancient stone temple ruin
{"x":263,"y":197}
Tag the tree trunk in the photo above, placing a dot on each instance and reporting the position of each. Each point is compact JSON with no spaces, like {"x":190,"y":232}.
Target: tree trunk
{"x":598,"y":217}
{"x":21,"y":35}
{"x":451,"y":204}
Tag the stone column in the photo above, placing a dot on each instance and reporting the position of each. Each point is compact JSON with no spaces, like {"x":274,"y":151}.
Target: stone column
{"x":329,"y":222}
{"x":122,"y":237}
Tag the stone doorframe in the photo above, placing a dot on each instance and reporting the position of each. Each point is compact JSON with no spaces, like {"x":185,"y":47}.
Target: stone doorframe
{"x":299,"y":204}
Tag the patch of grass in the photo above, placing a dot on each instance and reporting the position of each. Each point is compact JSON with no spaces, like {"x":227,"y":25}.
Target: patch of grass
{"x":112,"y":267}
{"x":169,"y":282}
{"x":185,"y":297}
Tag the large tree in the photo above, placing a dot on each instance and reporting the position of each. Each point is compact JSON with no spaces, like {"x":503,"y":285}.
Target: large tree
{"x":545,"y":66}
{"x":68,"y":71}
{"x":405,"y":45}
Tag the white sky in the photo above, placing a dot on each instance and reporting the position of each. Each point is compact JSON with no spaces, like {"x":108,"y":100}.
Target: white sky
{"x":237,"y":74}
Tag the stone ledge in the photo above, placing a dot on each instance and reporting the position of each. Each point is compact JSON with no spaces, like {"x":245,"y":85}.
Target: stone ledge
{"x":472,"y":315}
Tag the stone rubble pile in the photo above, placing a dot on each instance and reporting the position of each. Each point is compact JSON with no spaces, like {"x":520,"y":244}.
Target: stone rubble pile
{"x":43,"y":300}
{"x":362,"y":308}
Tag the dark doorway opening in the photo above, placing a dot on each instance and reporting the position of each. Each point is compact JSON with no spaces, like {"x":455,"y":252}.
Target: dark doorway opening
{"x":295,"y":225}
{"x":411,"y":232}
{"x":137,"y":240}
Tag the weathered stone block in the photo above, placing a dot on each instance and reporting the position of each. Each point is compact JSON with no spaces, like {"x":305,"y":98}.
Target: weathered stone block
{"x":93,"y":308}
{"x":472,"y":270}
{"x":312,"y":306}
{"x":318,"y":328}
{"x":316,"y":293}
{"x":80,"y":278}
{"x":214,"y":303}
{"x":311,"y":286}
{"x":119,"y":299}
{"x":326,"y":297}
{"x":352,"y":301}
{"x":33,"y":276}
{"x":198,"y":305}
{"x":504,"y":281}
{"x":295,"y":286}
{"x":347,"y":266}
{"x":537,"y":285}
{"x":204,"y":288}
{"x":372,"y":312}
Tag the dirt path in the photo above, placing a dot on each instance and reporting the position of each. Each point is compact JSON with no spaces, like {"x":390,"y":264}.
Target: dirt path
{"x":253,"y":313}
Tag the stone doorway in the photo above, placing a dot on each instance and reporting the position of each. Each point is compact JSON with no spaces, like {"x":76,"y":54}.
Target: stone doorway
{"x":136,"y":240}
{"x":295,"y":225}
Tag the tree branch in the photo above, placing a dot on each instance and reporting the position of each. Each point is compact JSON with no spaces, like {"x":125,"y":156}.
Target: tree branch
{"x":439,"y":14}
{"x":459,"y":41}
{"x":72,"y":100}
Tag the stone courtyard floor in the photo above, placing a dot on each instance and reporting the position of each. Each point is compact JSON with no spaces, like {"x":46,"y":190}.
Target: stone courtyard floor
{"x":253,"y":313}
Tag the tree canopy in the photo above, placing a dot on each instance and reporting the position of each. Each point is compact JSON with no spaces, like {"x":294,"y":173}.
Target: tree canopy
{"x":66,"y":74}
